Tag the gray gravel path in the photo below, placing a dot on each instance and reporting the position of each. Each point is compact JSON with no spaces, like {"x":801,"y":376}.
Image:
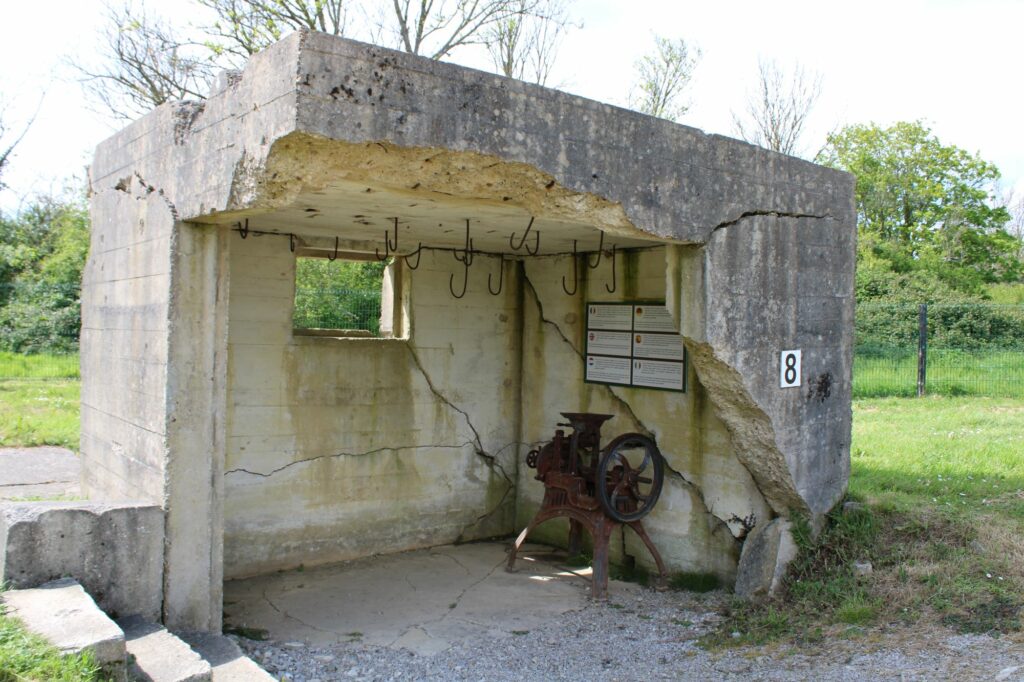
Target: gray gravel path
{"x":651,"y":636}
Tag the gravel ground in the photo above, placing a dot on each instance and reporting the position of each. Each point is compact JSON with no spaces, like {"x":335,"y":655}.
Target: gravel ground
{"x":652,"y":636}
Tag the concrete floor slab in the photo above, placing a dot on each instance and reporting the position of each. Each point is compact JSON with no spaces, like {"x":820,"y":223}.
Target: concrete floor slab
{"x":46,"y":473}
{"x":423,"y":601}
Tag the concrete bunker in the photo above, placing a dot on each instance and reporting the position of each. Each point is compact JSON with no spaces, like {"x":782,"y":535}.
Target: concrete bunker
{"x":268,"y":448}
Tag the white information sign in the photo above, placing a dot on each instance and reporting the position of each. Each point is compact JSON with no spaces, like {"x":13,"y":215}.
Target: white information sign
{"x":789,"y":369}
{"x":652,"y":318}
{"x":658,"y":346}
{"x":634,"y":344}
{"x":610,"y":317}
{"x":658,"y":374}
{"x":609,"y":343}
{"x":608,"y":370}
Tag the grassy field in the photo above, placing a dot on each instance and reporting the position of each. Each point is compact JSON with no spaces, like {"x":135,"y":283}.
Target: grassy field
{"x":949,"y":373}
{"x":940,"y":483}
{"x":34,"y":412}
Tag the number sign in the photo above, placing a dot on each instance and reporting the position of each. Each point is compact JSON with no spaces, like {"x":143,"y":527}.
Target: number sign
{"x":789,"y":369}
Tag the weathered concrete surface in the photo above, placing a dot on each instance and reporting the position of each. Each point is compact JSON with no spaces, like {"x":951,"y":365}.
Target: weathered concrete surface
{"x":156,"y":655}
{"x":62,"y":613}
{"x":762,"y":285}
{"x":422,"y":601}
{"x":114,"y":550}
{"x":226,"y":659}
{"x":327,"y":139}
{"x":766,"y":553}
{"x":39,"y":473}
{"x":343,"y":447}
{"x":706,"y":486}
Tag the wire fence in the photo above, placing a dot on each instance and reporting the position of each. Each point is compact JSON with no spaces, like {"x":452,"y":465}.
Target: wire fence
{"x":940,"y":349}
{"x":347,"y":309}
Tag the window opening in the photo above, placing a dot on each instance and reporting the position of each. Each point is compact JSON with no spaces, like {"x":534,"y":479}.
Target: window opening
{"x":340,"y":295}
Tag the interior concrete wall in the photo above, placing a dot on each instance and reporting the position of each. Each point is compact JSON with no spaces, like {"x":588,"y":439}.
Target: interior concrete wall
{"x":707,"y":490}
{"x":344,"y":447}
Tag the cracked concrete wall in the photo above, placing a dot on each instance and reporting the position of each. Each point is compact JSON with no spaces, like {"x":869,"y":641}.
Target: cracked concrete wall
{"x":695,"y":524}
{"x":770,"y":254}
{"x":769,"y":283}
{"x":344,"y":447}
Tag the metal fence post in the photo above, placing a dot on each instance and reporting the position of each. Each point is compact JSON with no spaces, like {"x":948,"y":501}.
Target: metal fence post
{"x":922,"y":348}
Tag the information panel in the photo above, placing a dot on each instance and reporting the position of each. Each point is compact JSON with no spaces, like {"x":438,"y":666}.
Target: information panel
{"x":606,"y":370}
{"x":634,"y":344}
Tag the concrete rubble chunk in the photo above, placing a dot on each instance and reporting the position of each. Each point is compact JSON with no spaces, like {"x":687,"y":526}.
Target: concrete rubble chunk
{"x":767,"y":552}
{"x":66,"y":616}
{"x":156,"y":655}
{"x":226,"y":658}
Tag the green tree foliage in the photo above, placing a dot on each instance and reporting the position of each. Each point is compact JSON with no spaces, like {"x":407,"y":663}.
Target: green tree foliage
{"x":662,"y":78}
{"x":338,"y":294}
{"x":42,"y":254}
{"x":925,"y":208}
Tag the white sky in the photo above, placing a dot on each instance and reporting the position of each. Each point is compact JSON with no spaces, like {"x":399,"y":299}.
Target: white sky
{"x":956,"y":64}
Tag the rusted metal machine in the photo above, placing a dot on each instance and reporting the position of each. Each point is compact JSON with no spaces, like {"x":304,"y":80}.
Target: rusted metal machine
{"x":599,"y":489}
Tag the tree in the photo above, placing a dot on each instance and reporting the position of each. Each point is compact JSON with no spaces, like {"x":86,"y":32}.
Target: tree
{"x":663,"y":76}
{"x":776,"y":114}
{"x":9,"y":139}
{"x":244,"y":27}
{"x":42,"y":254}
{"x":524,"y":45}
{"x":145,"y":63}
{"x":434,"y":28}
{"x":926,"y":205}
{"x":148,"y":61}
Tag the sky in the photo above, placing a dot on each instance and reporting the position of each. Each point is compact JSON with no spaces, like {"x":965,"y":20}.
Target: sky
{"x":954,"y":64}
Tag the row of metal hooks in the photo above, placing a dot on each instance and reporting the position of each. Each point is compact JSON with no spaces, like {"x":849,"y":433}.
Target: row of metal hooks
{"x":465,"y":255}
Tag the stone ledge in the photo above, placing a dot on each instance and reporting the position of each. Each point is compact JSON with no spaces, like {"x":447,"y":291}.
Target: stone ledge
{"x":114,"y":550}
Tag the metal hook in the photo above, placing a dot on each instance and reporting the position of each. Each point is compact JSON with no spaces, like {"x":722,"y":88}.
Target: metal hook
{"x":465,"y":281}
{"x":388,"y":245}
{"x":522,"y":242}
{"x":575,"y":274}
{"x":291,"y":242}
{"x":243,"y":232}
{"x":611,"y":289}
{"x":467,"y":252}
{"x":389,"y":248}
{"x":335,"y":256}
{"x":418,"y":253}
{"x":600,"y":251}
{"x":501,"y":278}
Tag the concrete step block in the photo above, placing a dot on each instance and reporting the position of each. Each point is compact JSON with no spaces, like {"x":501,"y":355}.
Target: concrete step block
{"x":66,"y":616}
{"x":228,"y":661}
{"x":156,"y":655}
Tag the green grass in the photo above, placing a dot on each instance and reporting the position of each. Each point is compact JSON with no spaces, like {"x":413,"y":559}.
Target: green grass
{"x":941,"y":481}
{"x":18,"y":366}
{"x":26,"y":657}
{"x":949,"y":373}
{"x":36,"y":412}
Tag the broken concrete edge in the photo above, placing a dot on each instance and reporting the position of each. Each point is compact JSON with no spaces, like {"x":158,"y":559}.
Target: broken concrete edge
{"x":114,"y":550}
{"x":274,"y":90}
{"x":767,"y":553}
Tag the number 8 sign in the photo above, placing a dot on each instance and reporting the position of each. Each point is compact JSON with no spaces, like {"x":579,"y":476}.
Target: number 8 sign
{"x":789,"y":369}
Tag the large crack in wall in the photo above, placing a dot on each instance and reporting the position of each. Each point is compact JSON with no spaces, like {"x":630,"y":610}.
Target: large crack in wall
{"x":718,"y":523}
